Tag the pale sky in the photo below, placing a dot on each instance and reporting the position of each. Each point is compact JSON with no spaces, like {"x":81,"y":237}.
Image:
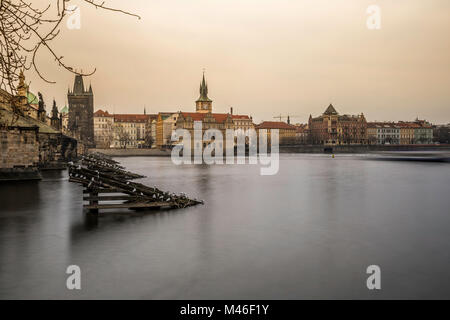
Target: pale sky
{"x":262,"y":57}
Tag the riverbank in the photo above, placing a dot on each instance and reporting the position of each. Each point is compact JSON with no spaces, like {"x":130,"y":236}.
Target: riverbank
{"x":362,"y":148}
{"x":133,"y":152}
{"x":288,"y":149}
{"x":19,"y":174}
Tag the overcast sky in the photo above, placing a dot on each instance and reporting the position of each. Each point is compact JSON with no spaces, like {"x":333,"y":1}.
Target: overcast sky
{"x":262,"y":57}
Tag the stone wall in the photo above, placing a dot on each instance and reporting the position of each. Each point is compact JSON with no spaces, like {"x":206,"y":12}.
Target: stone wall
{"x":19,"y":147}
{"x":55,"y":150}
{"x":133,"y":152}
{"x":26,"y":147}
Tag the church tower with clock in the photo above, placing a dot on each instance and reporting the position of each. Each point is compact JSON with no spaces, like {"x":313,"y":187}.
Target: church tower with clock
{"x":203,"y":103}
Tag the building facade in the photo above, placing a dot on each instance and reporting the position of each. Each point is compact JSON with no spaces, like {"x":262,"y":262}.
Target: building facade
{"x":131,"y":130}
{"x":165,"y":124}
{"x":402,"y":132}
{"x":302,"y":134}
{"x":218,"y":121}
{"x":103,"y":129}
{"x":331,"y":128}
{"x":286,"y":132}
{"x":441,"y":134}
{"x":242,"y":122}
{"x":123,"y":130}
{"x":406,"y":132}
{"x":383,"y":133}
{"x":423,"y":132}
{"x":153,"y":133}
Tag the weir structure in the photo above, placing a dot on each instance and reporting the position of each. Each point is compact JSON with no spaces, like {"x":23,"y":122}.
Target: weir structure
{"x":104,"y":179}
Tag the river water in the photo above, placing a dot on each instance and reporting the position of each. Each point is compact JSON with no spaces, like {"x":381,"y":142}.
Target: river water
{"x":309,"y":231}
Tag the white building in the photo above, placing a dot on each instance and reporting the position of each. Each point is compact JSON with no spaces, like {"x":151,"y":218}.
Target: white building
{"x":123,"y":130}
{"x":386,"y":132}
{"x":103,"y":125}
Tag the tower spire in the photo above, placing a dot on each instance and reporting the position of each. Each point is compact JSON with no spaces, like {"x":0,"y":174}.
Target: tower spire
{"x":78,"y":85}
{"x":203,"y":88}
{"x":203,"y":103}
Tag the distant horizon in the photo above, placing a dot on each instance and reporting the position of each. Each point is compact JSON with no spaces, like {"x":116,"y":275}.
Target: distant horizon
{"x":263,"y":58}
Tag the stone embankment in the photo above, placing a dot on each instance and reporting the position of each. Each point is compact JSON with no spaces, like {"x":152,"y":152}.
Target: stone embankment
{"x":133,"y":152}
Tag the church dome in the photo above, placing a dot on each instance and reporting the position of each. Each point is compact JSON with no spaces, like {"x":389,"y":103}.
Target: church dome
{"x":32,"y":99}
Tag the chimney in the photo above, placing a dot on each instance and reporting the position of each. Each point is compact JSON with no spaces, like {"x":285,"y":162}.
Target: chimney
{"x":231,"y":110}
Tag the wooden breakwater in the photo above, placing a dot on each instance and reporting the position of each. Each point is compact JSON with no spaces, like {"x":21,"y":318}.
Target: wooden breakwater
{"x":104,"y":180}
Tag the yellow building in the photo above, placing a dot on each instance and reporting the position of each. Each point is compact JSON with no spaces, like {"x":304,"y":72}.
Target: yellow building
{"x":242,"y":122}
{"x":406,"y":132}
{"x":372,"y":133}
{"x":286,"y":132}
{"x":165,"y":124}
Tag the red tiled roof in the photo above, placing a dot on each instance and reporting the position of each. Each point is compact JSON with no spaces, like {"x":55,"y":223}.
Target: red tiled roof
{"x":219,"y":117}
{"x":196,"y":116}
{"x":400,"y":124}
{"x":101,"y":113}
{"x":407,"y":124}
{"x":275,"y":125}
{"x":240,"y":117}
{"x":381,"y":124}
{"x":132,"y":117}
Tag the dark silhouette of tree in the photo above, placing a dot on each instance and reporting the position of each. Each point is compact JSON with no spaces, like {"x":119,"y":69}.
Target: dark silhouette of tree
{"x":148,"y":139}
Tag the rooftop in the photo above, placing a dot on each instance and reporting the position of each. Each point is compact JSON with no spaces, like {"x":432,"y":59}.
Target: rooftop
{"x":275,"y":125}
{"x":218,"y":117}
{"x":331,"y":110}
{"x":101,"y":113}
{"x":132,"y":118}
{"x":65,"y":109}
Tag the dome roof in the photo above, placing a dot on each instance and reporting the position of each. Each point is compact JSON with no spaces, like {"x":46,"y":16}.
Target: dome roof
{"x":32,"y":99}
{"x":64,"y":110}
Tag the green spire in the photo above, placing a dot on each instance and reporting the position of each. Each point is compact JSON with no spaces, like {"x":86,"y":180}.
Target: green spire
{"x":204,"y":90}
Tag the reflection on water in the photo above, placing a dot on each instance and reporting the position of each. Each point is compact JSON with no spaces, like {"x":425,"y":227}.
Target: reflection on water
{"x":308,"y":232}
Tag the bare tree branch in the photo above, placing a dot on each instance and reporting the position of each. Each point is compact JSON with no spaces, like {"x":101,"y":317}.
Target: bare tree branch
{"x":25,"y":28}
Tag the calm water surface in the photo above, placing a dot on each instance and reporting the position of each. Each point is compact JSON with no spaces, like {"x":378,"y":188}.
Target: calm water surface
{"x":308,"y":232}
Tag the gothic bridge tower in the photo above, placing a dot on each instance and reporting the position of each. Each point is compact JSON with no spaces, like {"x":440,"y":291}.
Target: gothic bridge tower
{"x":81,"y":112}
